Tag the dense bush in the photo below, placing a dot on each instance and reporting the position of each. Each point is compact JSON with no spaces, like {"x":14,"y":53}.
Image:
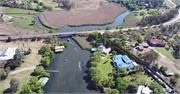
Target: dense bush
{"x":158,"y":19}
{"x":40,"y":72}
{"x":33,"y":87}
{"x":141,"y":4}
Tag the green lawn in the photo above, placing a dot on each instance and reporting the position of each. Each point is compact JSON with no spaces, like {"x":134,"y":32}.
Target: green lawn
{"x":23,"y":18}
{"x":167,"y":53}
{"x":105,"y":67}
{"x":131,"y":20}
{"x":83,"y":42}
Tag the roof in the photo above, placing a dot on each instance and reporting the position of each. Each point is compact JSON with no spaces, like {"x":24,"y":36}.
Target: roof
{"x":122,"y":61}
{"x":43,"y":80}
{"x":7,"y":54}
{"x":143,"y":90}
{"x":101,"y":47}
{"x":157,"y":42}
{"x":126,"y":59}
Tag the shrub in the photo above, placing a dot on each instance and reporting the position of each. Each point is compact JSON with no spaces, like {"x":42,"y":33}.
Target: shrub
{"x":40,"y":72}
{"x":14,"y":84}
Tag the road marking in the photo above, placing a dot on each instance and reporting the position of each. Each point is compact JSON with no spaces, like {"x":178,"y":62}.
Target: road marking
{"x":79,"y":63}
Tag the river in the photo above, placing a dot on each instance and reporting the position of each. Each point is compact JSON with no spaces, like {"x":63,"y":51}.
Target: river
{"x":72,"y":67}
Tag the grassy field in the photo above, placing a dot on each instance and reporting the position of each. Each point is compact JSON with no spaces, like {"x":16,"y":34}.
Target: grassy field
{"x":167,"y":53}
{"x":105,"y":67}
{"x":23,"y":18}
{"x":131,"y":20}
{"x":83,"y":42}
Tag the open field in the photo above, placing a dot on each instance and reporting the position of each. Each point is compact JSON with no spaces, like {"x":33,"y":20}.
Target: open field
{"x":131,"y":20}
{"x":23,"y":18}
{"x":83,"y":42}
{"x":167,"y":53}
{"x":104,"y":14}
{"x":30,"y":61}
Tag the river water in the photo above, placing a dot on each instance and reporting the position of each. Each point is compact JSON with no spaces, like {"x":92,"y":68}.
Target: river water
{"x":72,"y":67}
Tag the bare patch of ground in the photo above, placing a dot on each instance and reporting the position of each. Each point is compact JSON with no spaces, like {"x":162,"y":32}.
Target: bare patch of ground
{"x":103,"y":14}
{"x":12,"y":30}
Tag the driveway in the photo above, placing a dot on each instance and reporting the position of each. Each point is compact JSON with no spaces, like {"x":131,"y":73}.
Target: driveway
{"x":71,"y":64}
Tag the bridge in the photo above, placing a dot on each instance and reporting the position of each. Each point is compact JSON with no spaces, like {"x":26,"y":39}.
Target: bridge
{"x":45,"y":35}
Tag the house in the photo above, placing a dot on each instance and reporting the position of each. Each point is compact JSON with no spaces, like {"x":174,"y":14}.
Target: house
{"x":123,"y":61}
{"x":6,"y":54}
{"x":143,"y":90}
{"x":103,"y":49}
{"x":157,"y":43}
{"x":141,"y":46}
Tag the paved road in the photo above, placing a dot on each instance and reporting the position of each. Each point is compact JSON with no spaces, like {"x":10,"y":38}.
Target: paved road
{"x":71,"y":64}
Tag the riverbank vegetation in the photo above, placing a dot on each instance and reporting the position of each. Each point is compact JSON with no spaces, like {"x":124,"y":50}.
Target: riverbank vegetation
{"x":83,"y":43}
{"x":159,"y":19}
{"x":141,"y":4}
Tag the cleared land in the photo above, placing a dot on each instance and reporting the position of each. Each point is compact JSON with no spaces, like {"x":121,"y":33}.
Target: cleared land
{"x":131,"y":20}
{"x":23,"y":18}
{"x":104,"y":14}
{"x":167,"y":53}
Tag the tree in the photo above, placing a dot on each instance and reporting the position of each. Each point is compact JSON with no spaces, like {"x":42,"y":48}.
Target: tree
{"x":150,"y":56}
{"x":14,"y":63}
{"x":163,"y":69}
{"x":35,"y":85}
{"x":3,"y":74}
{"x":66,"y":4}
{"x":111,"y":91}
{"x":121,"y":84}
{"x":140,"y":39}
{"x":14,"y":84}
{"x":176,"y":50}
{"x":45,"y":61}
{"x":40,"y":72}
{"x":156,"y":88}
{"x":173,"y":81}
{"x":26,"y":89}
{"x":94,"y":36}
{"x":45,"y":50}
{"x":132,"y":88}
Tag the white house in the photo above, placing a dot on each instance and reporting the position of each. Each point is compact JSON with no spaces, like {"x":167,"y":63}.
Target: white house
{"x":7,"y":54}
{"x":143,"y":90}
